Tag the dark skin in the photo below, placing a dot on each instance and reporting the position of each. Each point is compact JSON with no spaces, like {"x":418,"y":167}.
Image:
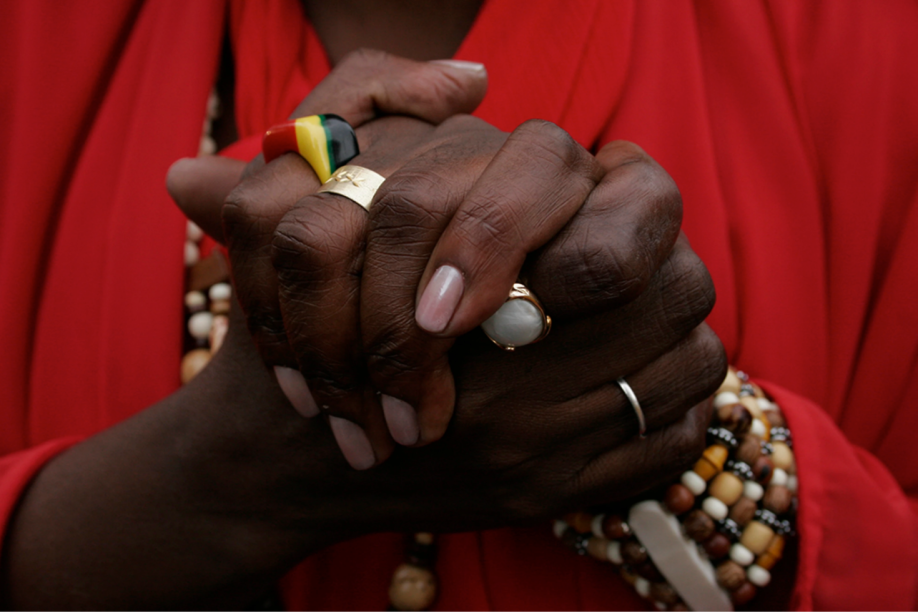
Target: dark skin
{"x":205,"y":499}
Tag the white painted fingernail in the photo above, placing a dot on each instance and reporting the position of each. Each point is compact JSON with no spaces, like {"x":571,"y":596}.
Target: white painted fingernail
{"x":402,"y":420}
{"x":461,"y":65}
{"x":353,"y":442}
{"x":440,"y":299}
{"x":294,"y":386}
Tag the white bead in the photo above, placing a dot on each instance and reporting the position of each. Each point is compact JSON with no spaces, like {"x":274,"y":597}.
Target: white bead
{"x":758,"y":576}
{"x":195,"y":301}
{"x":659,"y":605}
{"x":614,"y":552}
{"x":724,"y":398}
{"x":193,"y":232}
{"x":778,"y":477}
{"x":516,"y":323}
{"x":741,"y":555}
{"x":559,"y":527}
{"x":765,"y":404}
{"x":753,"y":491}
{"x":642,"y":587}
{"x":220,"y":291}
{"x":715,"y":508}
{"x":596,"y":525}
{"x":199,"y":325}
{"x":792,"y":483}
{"x":192,"y":254}
{"x":758,"y":428}
{"x":694,"y":482}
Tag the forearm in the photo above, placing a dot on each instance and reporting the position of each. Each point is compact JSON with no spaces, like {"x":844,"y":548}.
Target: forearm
{"x":189,"y":504}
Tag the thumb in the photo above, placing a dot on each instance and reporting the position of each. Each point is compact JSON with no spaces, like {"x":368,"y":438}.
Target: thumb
{"x":200,"y":186}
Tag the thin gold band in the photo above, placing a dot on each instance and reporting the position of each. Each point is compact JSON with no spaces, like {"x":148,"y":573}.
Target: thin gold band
{"x":355,"y":183}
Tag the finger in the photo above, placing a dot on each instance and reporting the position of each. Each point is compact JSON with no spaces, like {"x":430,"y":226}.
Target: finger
{"x":534,"y":185}
{"x":623,"y":233}
{"x":199,"y":186}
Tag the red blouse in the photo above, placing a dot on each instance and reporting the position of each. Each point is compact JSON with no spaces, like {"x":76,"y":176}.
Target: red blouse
{"x":789,"y":127}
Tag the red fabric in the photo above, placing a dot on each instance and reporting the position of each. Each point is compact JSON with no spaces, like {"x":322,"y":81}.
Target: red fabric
{"x":789,"y":127}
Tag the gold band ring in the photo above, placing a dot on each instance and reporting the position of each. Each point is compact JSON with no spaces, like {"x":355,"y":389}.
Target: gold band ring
{"x":355,"y":183}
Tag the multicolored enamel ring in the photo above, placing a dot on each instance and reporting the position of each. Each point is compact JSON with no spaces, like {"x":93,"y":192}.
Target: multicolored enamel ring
{"x":519,"y":321}
{"x":327,"y":142}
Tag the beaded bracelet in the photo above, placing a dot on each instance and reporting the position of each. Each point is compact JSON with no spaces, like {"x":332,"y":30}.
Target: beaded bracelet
{"x":714,"y":536}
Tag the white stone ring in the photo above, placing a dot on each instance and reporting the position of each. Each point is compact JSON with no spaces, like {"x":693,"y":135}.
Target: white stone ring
{"x":519,"y":321}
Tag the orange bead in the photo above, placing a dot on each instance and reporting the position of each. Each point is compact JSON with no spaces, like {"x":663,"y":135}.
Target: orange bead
{"x":774,"y":552}
{"x":711,"y":462}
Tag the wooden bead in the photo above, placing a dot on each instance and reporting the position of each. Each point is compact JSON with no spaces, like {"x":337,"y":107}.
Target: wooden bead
{"x":220,"y":307}
{"x":614,"y":527}
{"x":752,"y":404}
{"x":735,"y":417}
{"x":678,"y":499}
{"x":743,"y":594}
{"x":649,"y":571}
{"x":775,"y":418}
{"x":774,"y":552}
{"x":762,"y":469}
{"x":633,"y":553}
{"x":598,"y":548}
{"x":730,"y":575}
{"x":664,"y":592}
{"x":698,"y":525}
{"x":749,"y":449}
{"x":777,"y":498}
{"x":424,"y":538}
{"x":726,"y":487}
{"x":412,"y":589}
{"x":580,"y":521}
{"x":782,"y":456}
{"x":743,"y":511}
{"x":711,"y":462}
{"x":731,"y":383}
{"x":756,"y":537}
{"x":717,"y":546}
{"x":193,"y":362}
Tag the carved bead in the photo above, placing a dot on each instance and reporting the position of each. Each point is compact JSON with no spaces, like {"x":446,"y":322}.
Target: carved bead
{"x":614,"y":527}
{"x":782,"y":456}
{"x":698,"y":525}
{"x":579,"y":521}
{"x":730,"y":575}
{"x":762,"y":469}
{"x":678,"y":499}
{"x":726,"y":487}
{"x":711,"y":462}
{"x":735,"y":418}
{"x":717,"y":546}
{"x":749,"y":450}
{"x":664,"y":592}
{"x":193,"y":362}
{"x":743,"y":511}
{"x":412,"y":589}
{"x":633,"y":553}
{"x":756,"y":537}
{"x":777,"y":498}
{"x":743,"y":594}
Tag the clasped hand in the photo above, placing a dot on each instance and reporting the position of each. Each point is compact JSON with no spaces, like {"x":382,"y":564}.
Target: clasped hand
{"x":353,"y":311}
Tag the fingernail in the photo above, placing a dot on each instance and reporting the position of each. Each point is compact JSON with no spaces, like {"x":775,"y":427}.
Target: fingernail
{"x":402,"y":420}
{"x":439,"y":300}
{"x":461,"y":64}
{"x":294,"y":386}
{"x":353,"y":442}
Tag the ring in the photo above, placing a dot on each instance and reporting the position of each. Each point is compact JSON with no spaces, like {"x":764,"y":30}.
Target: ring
{"x":355,"y":183}
{"x":327,"y":142}
{"x":632,"y":398}
{"x":519,"y":321}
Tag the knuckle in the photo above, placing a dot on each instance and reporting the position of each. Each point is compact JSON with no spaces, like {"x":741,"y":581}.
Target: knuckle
{"x":545,"y":140}
{"x":686,"y":444}
{"x":402,"y":198}
{"x":362,"y":57}
{"x":388,"y":360}
{"x":710,"y":362}
{"x":485,"y":221}
{"x":312,"y":245}
{"x":687,"y":278}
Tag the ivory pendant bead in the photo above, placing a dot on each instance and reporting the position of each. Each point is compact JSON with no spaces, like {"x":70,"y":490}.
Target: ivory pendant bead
{"x":753,"y":491}
{"x":726,"y":487}
{"x":678,"y":499}
{"x":693,"y":481}
{"x":725,"y":398}
{"x":731,"y":383}
{"x":715,"y":508}
{"x":741,"y":555}
{"x":756,"y":537}
{"x":743,"y":511}
{"x":782,"y":456}
{"x":730,"y":575}
{"x":193,"y":362}
{"x":412,"y":589}
{"x":758,"y":576}
{"x":597,"y":547}
{"x":614,"y":552}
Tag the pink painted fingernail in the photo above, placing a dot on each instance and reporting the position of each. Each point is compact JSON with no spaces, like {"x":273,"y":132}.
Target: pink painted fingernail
{"x":474,"y":67}
{"x":402,"y":420}
{"x":440,"y":299}
{"x":353,"y":442}
{"x":294,"y":386}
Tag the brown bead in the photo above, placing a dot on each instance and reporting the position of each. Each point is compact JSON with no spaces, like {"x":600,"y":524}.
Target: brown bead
{"x":731,"y":383}
{"x":749,"y":449}
{"x":735,"y":417}
{"x":679,"y":606}
{"x":580,"y":521}
{"x":782,"y":456}
{"x":649,"y":571}
{"x":678,"y":499}
{"x":424,"y":538}
{"x":726,"y":487}
{"x":664,"y":592}
{"x":614,"y":527}
{"x":717,"y":546}
{"x":711,"y":462}
{"x":743,"y":594}
{"x":597,"y":547}
{"x":220,"y":307}
{"x":756,"y":537}
{"x":762,"y":469}
{"x":777,"y":498}
{"x":775,"y":418}
{"x":633,"y":553}
{"x":412,"y":589}
{"x":698,"y":525}
{"x":730,"y":575}
{"x":193,"y":362}
{"x":743,"y":511}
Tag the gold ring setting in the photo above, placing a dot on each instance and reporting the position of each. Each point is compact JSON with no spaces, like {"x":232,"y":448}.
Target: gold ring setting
{"x":355,"y":183}
{"x":519,"y":321}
